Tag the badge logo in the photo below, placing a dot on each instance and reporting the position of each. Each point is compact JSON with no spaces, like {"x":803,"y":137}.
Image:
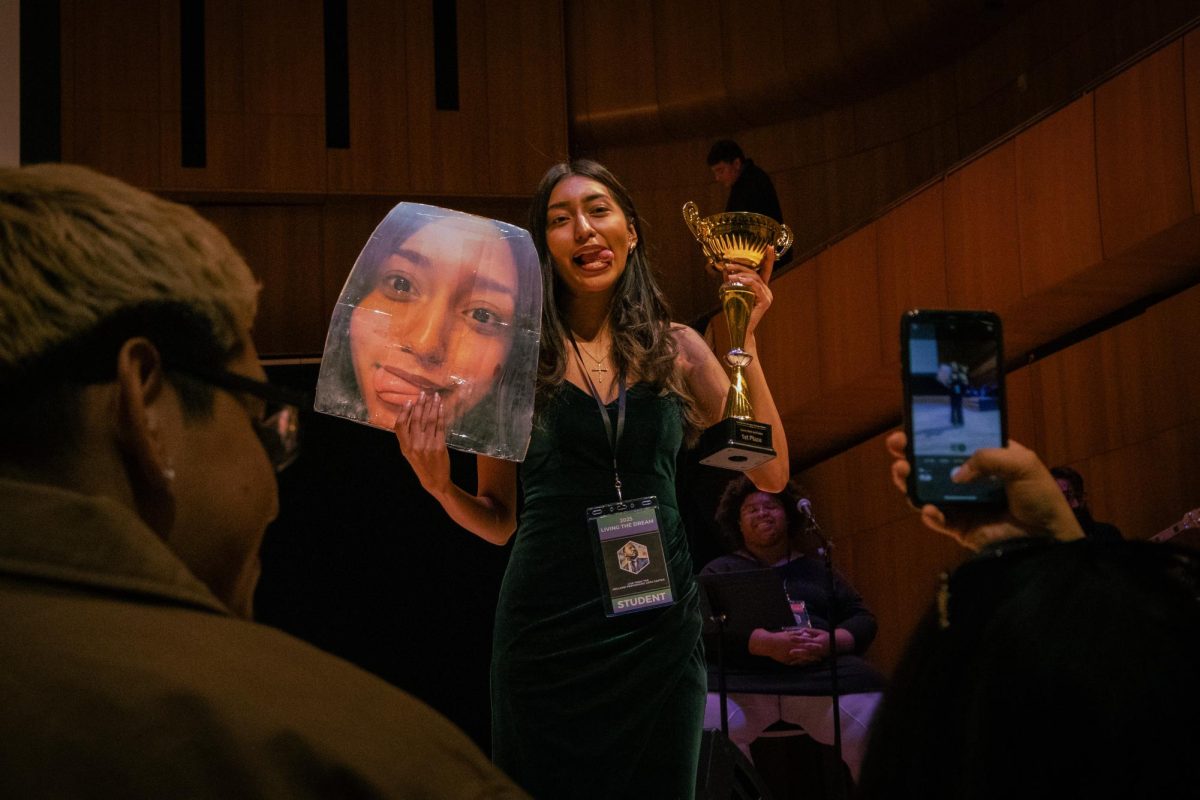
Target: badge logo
{"x":633,"y":557}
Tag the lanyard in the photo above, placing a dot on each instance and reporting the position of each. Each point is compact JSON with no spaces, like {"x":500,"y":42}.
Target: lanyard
{"x":613,"y":439}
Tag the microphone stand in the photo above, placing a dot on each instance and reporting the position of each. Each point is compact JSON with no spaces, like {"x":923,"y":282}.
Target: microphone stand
{"x":838,"y":784}
{"x":720,"y":619}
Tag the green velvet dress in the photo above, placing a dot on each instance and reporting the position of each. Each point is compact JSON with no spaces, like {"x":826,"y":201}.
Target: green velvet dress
{"x":584,"y":705}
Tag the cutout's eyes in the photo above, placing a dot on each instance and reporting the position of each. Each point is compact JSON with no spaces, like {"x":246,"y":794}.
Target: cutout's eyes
{"x":396,"y":286}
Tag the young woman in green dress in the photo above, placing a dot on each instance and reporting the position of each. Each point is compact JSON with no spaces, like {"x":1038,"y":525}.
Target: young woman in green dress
{"x":586,"y":703}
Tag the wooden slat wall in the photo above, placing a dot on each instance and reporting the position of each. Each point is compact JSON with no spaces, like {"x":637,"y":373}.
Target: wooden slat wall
{"x":112,"y":87}
{"x":1054,"y":227}
{"x":269,"y":181}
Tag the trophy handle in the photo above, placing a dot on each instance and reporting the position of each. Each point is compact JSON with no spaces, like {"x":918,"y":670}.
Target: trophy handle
{"x":691,"y":215}
{"x":783,"y":241}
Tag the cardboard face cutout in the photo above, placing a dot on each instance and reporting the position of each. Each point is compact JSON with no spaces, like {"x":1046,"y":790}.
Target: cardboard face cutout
{"x":444,"y":303}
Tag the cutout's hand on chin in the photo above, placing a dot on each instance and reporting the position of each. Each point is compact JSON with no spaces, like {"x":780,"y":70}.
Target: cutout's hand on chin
{"x":421,"y":430}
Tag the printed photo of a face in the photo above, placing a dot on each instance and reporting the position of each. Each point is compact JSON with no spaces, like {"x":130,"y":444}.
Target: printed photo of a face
{"x":441,"y":303}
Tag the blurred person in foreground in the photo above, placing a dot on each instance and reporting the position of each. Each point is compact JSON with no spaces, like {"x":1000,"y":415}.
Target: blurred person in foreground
{"x":137,"y":477}
{"x":1050,"y":665}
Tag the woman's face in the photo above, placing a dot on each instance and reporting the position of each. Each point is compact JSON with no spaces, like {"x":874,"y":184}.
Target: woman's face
{"x":437,"y":319}
{"x":762,"y":520}
{"x":588,"y":235}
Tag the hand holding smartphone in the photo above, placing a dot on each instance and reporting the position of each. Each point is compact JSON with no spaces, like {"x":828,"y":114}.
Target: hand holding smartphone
{"x":954,"y":402}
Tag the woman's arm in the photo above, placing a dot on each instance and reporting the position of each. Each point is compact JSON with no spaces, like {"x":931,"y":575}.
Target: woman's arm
{"x":709,"y":382}
{"x":490,"y":513}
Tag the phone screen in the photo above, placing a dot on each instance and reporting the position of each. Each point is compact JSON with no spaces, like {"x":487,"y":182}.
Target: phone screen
{"x":954,"y":401}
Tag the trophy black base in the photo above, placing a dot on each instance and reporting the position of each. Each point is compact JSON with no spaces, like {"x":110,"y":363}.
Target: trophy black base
{"x":736,"y":444}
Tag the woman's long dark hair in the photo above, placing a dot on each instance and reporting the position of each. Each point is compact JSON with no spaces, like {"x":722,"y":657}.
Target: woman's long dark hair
{"x":638,"y":317}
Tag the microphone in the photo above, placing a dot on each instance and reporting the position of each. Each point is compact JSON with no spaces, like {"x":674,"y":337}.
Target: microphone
{"x":805,"y":508}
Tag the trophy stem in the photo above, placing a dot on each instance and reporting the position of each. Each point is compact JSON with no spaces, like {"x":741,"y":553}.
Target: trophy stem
{"x":737,"y":402}
{"x":737,"y":301}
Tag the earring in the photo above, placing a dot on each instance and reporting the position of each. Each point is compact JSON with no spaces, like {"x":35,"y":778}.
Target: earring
{"x":168,"y":474}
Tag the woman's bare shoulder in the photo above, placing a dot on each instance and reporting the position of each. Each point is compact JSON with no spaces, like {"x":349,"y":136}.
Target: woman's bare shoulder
{"x":686,"y":338}
{"x":693,"y":351}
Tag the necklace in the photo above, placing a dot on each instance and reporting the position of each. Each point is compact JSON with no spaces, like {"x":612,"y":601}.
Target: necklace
{"x":599,"y":361}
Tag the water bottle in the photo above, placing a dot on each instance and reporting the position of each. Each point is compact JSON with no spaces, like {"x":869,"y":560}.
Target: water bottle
{"x":799,"y":610}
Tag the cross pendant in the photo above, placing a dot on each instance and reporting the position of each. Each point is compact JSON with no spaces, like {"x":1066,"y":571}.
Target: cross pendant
{"x":599,"y":368}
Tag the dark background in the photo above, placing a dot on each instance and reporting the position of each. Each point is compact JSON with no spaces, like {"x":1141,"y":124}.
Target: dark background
{"x":364,"y":564}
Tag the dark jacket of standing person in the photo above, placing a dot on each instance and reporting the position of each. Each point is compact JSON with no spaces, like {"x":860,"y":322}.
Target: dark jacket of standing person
{"x":750,"y":187}
{"x":1051,"y":665}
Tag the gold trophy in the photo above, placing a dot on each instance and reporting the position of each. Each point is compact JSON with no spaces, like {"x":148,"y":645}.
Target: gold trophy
{"x":737,"y":442}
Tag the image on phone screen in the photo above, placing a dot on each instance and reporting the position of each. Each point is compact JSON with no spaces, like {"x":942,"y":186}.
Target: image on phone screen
{"x":955,"y":393}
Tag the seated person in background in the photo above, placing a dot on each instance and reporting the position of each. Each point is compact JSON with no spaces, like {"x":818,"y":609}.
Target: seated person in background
{"x":137,"y":475}
{"x":765,"y":530}
{"x":1070,"y":483}
{"x":1052,"y":665}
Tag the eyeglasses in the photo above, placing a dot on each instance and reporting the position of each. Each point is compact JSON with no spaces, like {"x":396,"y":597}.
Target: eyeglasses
{"x":276,"y":422}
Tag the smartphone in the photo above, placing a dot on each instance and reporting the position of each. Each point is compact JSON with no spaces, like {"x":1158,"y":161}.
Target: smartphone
{"x":953,"y":374}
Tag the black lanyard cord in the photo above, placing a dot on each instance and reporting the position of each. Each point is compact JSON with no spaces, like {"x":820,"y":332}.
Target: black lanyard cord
{"x":614,"y":440}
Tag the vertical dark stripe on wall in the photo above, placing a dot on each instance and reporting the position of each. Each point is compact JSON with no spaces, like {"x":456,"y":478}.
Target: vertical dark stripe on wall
{"x":194,"y":134}
{"x":337,"y":75}
{"x":41,"y":82}
{"x":445,"y":54}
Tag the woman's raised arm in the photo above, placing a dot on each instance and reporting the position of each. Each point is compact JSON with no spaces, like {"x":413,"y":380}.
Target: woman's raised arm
{"x":490,"y":513}
{"x":709,"y":384}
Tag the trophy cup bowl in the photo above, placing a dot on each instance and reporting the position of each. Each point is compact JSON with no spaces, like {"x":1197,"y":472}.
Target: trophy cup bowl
{"x":737,"y":237}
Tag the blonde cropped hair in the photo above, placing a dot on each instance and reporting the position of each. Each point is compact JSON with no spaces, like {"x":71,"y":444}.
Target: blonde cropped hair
{"x":77,"y":247}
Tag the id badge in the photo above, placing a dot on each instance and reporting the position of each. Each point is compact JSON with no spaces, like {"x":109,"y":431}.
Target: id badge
{"x":632,"y":563}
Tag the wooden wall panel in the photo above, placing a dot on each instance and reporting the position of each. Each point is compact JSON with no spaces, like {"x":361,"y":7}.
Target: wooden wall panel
{"x":625,"y":79}
{"x":1141,"y":151}
{"x":688,"y":71}
{"x":756,"y":86}
{"x":1123,"y":386}
{"x":448,"y":150}
{"x":912,"y":265}
{"x":282,"y":245}
{"x":1168,"y":353}
{"x":264,"y":96}
{"x":788,"y":341}
{"x":526,"y":92}
{"x":848,"y":296}
{"x":1080,"y":401}
{"x":1024,"y":406}
{"x":802,"y":193}
{"x":982,"y":249}
{"x":111,"y":87}
{"x":226,"y":152}
{"x":1191,"y":81}
{"x":896,"y":568}
{"x":1057,"y":206}
{"x":377,"y":159}
{"x":1146,"y":486}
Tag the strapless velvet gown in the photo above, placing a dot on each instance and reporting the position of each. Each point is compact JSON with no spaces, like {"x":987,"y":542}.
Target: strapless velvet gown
{"x":584,"y":705}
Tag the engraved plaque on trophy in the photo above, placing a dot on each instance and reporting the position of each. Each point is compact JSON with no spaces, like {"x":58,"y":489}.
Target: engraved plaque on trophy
{"x":737,"y":442}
